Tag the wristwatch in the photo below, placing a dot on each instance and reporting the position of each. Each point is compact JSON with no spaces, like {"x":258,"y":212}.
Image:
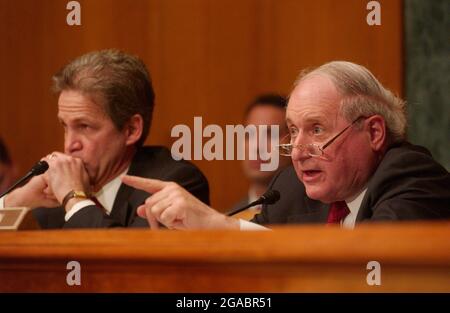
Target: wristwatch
{"x":74,"y":194}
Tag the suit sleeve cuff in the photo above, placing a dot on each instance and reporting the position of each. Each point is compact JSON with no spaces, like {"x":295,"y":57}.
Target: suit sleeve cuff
{"x":77,"y":207}
{"x":246,"y":225}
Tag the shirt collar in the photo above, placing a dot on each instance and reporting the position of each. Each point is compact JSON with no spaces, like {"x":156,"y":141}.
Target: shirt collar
{"x":252,"y":195}
{"x":107,"y":195}
{"x":354,"y":203}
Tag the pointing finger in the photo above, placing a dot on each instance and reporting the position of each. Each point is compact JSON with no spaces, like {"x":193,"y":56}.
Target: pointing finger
{"x":146,"y":184}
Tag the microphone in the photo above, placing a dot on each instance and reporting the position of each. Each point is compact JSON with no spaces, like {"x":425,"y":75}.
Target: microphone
{"x":269,"y":197}
{"x":38,"y":169}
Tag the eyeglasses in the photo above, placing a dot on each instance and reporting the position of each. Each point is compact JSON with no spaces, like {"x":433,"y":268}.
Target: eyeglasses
{"x":313,"y":149}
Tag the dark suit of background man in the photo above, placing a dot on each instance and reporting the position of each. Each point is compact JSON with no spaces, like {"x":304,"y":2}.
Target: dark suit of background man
{"x":8,"y":170}
{"x":105,"y":106}
{"x":351,"y":162}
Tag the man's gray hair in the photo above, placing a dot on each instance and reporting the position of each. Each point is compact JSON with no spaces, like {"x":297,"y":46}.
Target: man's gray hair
{"x":364,"y":95}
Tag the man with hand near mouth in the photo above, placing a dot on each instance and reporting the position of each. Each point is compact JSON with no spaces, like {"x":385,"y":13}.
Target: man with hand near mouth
{"x":105,"y":107}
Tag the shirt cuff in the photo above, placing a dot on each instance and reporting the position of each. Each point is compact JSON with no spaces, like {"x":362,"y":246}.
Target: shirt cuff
{"x":77,"y":207}
{"x":2,"y":202}
{"x":246,"y":225}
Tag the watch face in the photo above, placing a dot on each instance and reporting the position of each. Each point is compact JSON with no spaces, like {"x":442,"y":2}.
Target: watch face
{"x":79,"y":194}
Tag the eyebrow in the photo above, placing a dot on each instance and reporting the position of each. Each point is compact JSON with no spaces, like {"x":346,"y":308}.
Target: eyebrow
{"x":77,"y":120}
{"x":288,"y":122}
{"x":316,"y":118}
{"x":310,"y":118}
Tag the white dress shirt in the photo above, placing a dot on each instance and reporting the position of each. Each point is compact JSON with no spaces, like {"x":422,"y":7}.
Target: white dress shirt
{"x":246,"y":225}
{"x":354,"y":204}
{"x":253,"y":197}
{"x":106,"y":196}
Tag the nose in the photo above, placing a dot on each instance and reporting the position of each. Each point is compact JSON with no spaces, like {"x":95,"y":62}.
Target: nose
{"x":72,"y":143}
{"x":299,"y":153}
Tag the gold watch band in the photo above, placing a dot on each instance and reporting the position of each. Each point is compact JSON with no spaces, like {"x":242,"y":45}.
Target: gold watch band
{"x":74,"y":194}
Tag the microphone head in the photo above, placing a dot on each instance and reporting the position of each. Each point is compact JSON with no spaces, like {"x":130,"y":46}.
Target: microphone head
{"x":39,"y":168}
{"x":271,"y":196}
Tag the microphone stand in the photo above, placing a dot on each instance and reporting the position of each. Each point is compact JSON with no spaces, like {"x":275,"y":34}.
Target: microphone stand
{"x":37,"y":169}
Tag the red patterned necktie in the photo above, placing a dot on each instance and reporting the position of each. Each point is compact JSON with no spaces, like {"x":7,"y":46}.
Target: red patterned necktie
{"x":338,"y":211}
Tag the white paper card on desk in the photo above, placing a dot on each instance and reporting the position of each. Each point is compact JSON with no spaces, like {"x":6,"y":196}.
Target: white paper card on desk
{"x":19,"y":218}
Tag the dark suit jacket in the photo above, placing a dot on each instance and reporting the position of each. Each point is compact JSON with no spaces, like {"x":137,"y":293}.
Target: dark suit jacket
{"x":408,"y":184}
{"x":149,"y":162}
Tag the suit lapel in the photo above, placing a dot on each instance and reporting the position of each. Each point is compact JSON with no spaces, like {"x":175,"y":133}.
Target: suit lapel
{"x":122,"y":207}
{"x":313,"y":212}
{"x":364,"y":211}
{"x":121,"y":204}
{"x":127,"y":198}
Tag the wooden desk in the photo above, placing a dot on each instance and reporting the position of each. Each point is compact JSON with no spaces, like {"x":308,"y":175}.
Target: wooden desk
{"x":413,"y":257}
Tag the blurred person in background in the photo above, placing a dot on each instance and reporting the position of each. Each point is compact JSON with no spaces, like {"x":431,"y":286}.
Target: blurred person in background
{"x":266,"y":109}
{"x":8,"y":170}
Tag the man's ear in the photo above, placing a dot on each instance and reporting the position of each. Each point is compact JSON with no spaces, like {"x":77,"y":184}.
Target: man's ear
{"x":133,"y":129}
{"x":376,"y":130}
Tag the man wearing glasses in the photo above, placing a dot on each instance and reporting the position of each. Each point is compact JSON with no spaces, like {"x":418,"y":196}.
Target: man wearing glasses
{"x":351,"y":162}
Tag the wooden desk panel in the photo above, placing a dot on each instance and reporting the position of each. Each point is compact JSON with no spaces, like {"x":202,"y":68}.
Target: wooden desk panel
{"x":413,"y":257}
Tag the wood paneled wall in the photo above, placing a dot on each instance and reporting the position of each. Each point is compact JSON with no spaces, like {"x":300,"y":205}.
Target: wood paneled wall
{"x":207,"y":58}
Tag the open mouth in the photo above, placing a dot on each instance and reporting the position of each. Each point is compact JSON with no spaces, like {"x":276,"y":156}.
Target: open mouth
{"x":311,"y":175}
